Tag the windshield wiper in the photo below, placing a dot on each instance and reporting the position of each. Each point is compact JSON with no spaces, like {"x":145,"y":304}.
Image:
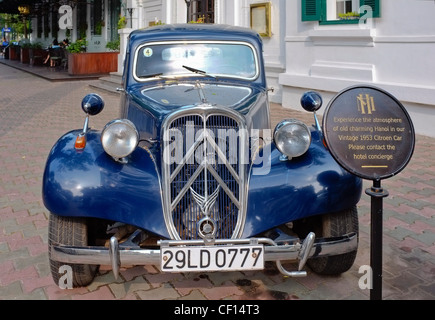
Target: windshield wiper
{"x":154,"y":75}
{"x":199,"y":72}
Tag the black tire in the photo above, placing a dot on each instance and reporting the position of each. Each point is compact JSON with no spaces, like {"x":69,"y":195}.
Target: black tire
{"x":333,"y":225}
{"x":74,"y":232}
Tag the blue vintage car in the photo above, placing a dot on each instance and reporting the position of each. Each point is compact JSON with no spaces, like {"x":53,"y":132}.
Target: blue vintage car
{"x":191,"y":177}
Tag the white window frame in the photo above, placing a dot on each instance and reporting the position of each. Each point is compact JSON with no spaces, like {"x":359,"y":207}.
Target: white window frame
{"x":331,"y":8}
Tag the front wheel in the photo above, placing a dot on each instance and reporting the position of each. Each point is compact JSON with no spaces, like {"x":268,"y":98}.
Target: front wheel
{"x":334,"y":225}
{"x":73,"y":232}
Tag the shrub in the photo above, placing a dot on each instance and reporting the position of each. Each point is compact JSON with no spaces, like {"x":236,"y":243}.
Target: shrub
{"x":78,"y":46}
{"x":113,"y":45}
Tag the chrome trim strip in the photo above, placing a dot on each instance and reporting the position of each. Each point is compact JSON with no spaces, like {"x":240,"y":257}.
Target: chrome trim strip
{"x":223,"y":158}
{"x":224,"y":186}
{"x":186,"y":158}
{"x":136,"y":55}
{"x":186,"y":187}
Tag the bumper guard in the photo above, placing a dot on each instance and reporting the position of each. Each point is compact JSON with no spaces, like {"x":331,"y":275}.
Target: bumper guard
{"x":117,"y":256}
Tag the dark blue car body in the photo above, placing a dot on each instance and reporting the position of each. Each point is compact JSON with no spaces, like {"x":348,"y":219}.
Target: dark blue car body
{"x":89,"y":183}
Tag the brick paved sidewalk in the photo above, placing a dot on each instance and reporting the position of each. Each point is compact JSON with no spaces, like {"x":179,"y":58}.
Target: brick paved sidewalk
{"x":34,"y":113}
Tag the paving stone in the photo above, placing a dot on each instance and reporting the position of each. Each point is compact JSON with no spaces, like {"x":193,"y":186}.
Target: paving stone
{"x":219,"y":278}
{"x":225,"y":290}
{"x":405,"y":282}
{"x":165,"y":292}
{"x":124,"y":289}
{"x":102,"y":293}
{"x":193,"y":295}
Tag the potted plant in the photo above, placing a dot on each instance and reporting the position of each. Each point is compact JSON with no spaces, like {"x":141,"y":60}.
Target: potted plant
{"x":25,"y":51}
{"x":81,"y":62}
{"x":349,"y":16}
{"x":14,"y":51}
{"x":78,"y":46}
{"x":36,"y":54}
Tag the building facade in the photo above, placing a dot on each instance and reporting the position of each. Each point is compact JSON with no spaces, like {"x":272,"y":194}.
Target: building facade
{"x":322,"y":45}
{"x":95,"y":20}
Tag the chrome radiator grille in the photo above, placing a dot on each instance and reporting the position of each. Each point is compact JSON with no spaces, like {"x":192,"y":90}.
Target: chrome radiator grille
{"x":204,"y":175}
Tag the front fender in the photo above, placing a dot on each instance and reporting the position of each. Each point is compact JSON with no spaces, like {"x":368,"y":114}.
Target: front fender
{"x":90,"y":183}
{"x":311,"y":185}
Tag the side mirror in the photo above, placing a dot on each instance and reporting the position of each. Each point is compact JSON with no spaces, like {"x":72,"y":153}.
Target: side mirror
{"x":92,"y":104}
{"x":311,"y":101}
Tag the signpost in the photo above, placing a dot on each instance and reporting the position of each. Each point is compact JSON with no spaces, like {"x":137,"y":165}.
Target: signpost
{"x":370,"y":134}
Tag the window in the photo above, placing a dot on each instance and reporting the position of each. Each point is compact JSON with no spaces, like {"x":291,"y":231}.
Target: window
{"x":343,"y":7}
{"x":201,"y":10}
{"x":39,"y":26}
{"x":81,"y":20}
{"x":46,"y":25}
{"x":54,"y":24}
{"x":337,"y":11}
{"x":97,"y":12}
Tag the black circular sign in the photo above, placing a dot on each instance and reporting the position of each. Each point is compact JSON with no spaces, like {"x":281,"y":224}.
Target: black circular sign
{"x":369,"y":132}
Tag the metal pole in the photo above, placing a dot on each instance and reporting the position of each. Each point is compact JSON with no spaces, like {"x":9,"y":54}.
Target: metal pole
{"x":130,"y":11}
{"x":377,"y":194}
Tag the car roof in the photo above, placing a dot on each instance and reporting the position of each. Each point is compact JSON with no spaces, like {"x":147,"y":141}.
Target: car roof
{"x":195,"y":31}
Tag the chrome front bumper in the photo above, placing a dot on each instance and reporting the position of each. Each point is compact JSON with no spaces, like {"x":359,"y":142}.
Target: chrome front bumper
{"x":116,"y":257}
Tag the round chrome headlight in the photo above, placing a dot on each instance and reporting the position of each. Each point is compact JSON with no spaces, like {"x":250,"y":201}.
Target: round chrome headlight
{"x":120,"y":138}
{"x":292,"y":138}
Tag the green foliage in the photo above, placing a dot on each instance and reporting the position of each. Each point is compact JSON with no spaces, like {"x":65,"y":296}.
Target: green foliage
{"x":16,"y":23}
{"x":99,"y":27}
{"x":36,"y":45}
{"x":122,"y":22}
{"x":200,"y":20}
{"x":82,"y":30}
{"x":25,"y":44}
{"x":349,"y":15}
{"x":78,"y":46}
{"x":114,"y":45}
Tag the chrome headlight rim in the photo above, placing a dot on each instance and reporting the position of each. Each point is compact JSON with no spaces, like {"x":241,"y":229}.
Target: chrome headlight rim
{"x":119,"y":138}
{"x":292,"y":138}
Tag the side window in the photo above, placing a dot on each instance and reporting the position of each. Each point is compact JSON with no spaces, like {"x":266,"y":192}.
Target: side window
{"x":337,"y":11}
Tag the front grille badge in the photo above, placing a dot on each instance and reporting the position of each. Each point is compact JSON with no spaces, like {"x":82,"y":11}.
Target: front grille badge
{"x":207,"y":226}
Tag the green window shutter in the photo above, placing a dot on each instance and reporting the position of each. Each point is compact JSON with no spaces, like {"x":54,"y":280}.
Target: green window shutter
{"x":375,"y":4}
{"x":311,"y":10}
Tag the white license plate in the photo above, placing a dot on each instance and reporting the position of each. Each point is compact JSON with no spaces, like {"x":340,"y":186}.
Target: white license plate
{"x":212,"y":258}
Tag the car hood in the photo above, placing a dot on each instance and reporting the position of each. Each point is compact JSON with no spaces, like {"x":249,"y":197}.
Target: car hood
{"x":149,"y":106}
{"x":174,"y":96}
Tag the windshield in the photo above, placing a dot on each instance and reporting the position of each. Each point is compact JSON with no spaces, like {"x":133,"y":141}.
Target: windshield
{"x":226,"y":59}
